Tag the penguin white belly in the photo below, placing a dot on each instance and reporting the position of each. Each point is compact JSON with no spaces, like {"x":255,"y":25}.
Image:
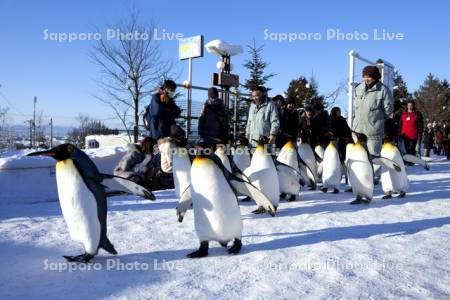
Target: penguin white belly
{"x":391,"y":180}
{"x":181,"y":172}
{"x":78,"y":206}
{"x":332,"y":170}
{"x":263,"y":174}
{"x":216,"y":212}
{"x":220,"y":152}
{"x":288,"y":156}
{"x":241,"y":158}
{"x":307,"y":154}
{"x":361,"y":178}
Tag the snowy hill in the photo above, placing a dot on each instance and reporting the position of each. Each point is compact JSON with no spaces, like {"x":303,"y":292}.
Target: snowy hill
{"x":319,"y":247}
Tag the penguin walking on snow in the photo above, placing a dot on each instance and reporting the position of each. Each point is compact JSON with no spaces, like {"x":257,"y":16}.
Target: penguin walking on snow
{"x":263,"y":174}
{"x":332,"y":169}
{"x":213,"y":195}
{"x":396,"y":182}
{"x":359,"y":164}
{"x":82,"y":196}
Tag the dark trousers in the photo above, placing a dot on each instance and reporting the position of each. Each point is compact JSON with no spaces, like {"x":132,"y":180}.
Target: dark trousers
{"x":410,"y":145}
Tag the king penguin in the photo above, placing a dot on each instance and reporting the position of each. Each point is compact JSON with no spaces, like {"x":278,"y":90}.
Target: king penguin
{"x":360,"y":173}
{"x":82,"y":196}
{"x":307,"y":155}
{"x":241,"y":154}
{"x":181,"y":166}
{"x":332,"y":169}
{"x":290,"y":180}
{"x":391,"y":181}
{"x":213,"y":195}
{"x":263,"y":174}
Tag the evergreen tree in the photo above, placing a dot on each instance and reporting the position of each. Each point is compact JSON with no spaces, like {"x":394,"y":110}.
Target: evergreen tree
{"x":433,"y":99}
{"x":257,"y":77}
{"x":401,"y":90}
{"x":256,"y":65}
{"x":304,"y":92}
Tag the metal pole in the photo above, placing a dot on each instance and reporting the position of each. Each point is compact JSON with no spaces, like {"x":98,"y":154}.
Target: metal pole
{"x":31,"y":133}
{"x":235,"y":117}
{"x":34,"y":120}
{"x":351,"y":78}
{"x":51,"y":132}
{"x":189,"y":100}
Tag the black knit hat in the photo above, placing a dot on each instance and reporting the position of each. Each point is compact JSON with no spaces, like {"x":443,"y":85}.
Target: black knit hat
{"x":372,"y":72}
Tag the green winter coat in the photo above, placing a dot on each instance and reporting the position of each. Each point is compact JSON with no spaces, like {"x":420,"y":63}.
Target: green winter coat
{"x":372,"y":108}
{"x":262,"y":120}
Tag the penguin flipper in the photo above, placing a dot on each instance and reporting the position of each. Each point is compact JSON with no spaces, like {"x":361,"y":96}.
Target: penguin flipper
{"x":290,"y":171}
{"x":184,"y":204}
{"x":416,"y":160}
{"x":241,"y":186}
{"x":128,"y":185}
{"x":386,"y":162}
{"x":248,"y":189}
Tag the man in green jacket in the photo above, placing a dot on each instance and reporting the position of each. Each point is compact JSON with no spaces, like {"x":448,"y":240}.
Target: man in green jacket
{"x":263,"y":117}
{"x":373,"y":105}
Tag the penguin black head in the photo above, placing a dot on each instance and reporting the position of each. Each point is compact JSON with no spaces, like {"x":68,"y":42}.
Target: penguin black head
{"x":242,"y":141}
{"x":204,"y":149}
{"x":59,"y":153}
{"x":361,"y":137}
{"x":263,"y":140}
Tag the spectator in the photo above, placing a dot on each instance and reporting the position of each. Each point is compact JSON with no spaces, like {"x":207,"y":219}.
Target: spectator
{"x":428,"y":139}
{"x":163,"y":111}
{"x":392,"y":125}
{"x":136,"y":164}
{"x":446,"y":140}
{"x":438,"y":140}
{"x":373,"y":105}
{"x":340,"y":130}
{"x":304,"y":126}
{"x":411,"y":128}
{"x":289,"y":122}
{"x":213,"y":121}
{"x":320,"y":126}
{"x":262,"y":119}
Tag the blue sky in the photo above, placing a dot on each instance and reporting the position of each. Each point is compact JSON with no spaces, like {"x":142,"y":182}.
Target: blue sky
{"x":64,"y":79}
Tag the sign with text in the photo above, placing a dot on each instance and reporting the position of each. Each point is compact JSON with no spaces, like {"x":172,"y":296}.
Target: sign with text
{"x":190,"y":47}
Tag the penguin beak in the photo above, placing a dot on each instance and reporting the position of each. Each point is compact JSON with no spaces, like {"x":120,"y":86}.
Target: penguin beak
{"x":50,"y":153}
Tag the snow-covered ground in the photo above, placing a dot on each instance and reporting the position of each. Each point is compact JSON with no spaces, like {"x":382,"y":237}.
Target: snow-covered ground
{"x":319,"y":247}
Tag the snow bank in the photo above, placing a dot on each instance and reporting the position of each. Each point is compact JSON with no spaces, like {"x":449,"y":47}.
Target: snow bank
{"x":32,"y":179}
{"x":317,"y":248}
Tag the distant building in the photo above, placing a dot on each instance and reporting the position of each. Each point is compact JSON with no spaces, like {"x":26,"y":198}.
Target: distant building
{"x":99,"y":141}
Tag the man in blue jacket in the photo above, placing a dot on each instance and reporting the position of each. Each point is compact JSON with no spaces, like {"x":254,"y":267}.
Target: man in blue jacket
{"x":163,"y":111}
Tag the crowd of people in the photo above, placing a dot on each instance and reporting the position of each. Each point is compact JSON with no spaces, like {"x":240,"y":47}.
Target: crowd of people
{"x":377,"y":116}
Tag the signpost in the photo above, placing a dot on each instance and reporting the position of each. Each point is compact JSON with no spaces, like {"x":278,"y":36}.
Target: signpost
{"x":189,"y":48}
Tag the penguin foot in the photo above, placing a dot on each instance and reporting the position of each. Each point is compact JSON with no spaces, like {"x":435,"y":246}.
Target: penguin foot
{"x":223,"y":244}
{"x":335,"y":191}
{"x":82,"y":258}
{"x":349,"y":190}
{"x":366,"y":200}
{"x":358,"y":200}
{"x":259,"y":210}
{"x":387,"y":196}
{"x":246,"y":199}
{"x":402,"y":195}
{"x":324,"y":190}
{"x":283,"y":195}
{"x":292,"y":198}
{"x":201,"y":252}
{"x":237,"y":245}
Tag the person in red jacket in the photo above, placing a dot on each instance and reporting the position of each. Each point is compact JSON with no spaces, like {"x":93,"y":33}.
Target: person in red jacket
{"x":411,"y":128}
